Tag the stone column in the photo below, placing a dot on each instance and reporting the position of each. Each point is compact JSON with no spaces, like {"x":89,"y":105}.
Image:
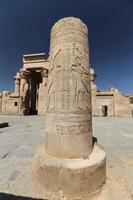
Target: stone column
{"x":17,"y":83}
{"x":24,"y":92}
{"x":42,"y":97}
{"x":69,"y":165}
{"x":69,"y":110}
{"x":45,"y":76}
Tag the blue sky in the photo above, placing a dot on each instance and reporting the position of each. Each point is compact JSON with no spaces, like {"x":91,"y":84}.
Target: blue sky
{"x":25,"y":28}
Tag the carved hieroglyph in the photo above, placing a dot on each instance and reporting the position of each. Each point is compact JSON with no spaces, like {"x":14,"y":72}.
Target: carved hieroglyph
{"x":69,"y":107}
{"x":69,"y":165}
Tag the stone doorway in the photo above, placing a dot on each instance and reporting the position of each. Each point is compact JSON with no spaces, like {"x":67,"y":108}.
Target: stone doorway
{"x":104,"y":111}
{"x":35,"y":81}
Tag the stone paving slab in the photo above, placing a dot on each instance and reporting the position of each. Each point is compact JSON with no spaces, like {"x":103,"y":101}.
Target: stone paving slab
{"x":19,"y":141}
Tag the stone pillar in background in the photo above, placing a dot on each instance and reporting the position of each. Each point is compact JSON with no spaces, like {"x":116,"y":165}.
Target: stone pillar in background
{"x":45,"y":76}
{"x":42,"y":97}
{"x":17,"y":83}
{"x":24,"y":92}
{"x":69,"y":165}
{"x":44,"y":89}
{"x":92,"y":79}
{"x":93,"y":92}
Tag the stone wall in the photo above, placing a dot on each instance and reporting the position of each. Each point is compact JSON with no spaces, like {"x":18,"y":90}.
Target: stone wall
{"x":10,"y":105}
{"x":122,"y":105}
{"x":107,"y":100}
{"x":117,"y":104}
{"x":34,"y":61}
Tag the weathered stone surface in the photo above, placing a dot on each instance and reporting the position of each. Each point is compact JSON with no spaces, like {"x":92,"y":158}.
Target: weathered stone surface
{"x":25,"y":133}
{"x":69,"y":162}
{"x":69,"y":109}
{"x":110,"y":103}
{"x":75,"y":177}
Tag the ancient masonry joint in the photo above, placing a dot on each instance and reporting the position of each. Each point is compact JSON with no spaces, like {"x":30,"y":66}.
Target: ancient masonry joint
{"x":69,"y":165}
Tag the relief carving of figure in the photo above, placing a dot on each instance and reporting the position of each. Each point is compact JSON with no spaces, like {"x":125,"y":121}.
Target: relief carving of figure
{"x":80,"y":73}
{"x":54,"y":76}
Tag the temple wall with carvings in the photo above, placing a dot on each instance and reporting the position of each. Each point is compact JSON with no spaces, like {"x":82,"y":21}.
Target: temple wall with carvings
{"x":30,"y":93}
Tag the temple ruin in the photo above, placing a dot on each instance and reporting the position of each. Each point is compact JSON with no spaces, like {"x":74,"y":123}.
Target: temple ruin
{"x":30,"y":95}
{"x":110,"y":102}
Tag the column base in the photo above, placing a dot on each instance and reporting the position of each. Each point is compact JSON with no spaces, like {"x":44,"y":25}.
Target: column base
{"x":69,"y":179}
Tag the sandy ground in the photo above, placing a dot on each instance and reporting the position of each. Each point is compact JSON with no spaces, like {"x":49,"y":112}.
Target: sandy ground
{"x":19,"y":141}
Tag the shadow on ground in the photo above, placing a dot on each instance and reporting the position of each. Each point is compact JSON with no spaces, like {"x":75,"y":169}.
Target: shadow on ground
{"x":4,"y":196}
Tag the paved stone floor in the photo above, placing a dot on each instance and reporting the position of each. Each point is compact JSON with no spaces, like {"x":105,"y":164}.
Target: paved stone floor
{"x":19,"y":141}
